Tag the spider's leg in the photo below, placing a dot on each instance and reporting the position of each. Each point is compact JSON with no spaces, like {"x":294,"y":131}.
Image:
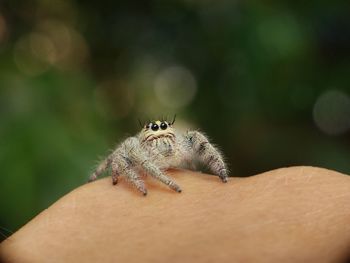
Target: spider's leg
{"x":100,"y":169}
{"x":138,"y":156}
{"x":155,"y":172}
{"x":207,"y":153}
{"x":115,"y":173}
{"x":135,"y":180}
{"x":121,"y":164}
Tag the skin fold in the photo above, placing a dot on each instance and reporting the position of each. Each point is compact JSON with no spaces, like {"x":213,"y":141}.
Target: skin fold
{"x":297,"y":214}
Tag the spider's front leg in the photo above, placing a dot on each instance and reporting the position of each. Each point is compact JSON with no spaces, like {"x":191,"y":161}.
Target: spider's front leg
{"x":123,"y":165}
{"x":154,"y":171}
{"x":138,"y":156}
{"x":207,"y":153}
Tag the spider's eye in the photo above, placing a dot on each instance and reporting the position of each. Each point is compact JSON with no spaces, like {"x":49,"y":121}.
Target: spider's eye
{"x":155,"y":127}
{"x":163,"y":126}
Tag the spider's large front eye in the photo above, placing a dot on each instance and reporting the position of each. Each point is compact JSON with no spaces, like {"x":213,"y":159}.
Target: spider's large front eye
{"x":163,"y":126}
{"x":155,"y":127}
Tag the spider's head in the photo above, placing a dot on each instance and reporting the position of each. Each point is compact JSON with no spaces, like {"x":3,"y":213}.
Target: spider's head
{"x":157,"y":129}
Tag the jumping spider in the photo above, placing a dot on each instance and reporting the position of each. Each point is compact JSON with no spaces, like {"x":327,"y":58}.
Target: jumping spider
{"x":159,"y":147}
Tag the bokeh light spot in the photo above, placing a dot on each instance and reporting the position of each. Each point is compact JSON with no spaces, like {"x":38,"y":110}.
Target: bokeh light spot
{"x":331,"y":112}
{"x":51,"y":44}
{"x":71,"y":48}
{"x":175,"y":87}
{"x":34,"y":53}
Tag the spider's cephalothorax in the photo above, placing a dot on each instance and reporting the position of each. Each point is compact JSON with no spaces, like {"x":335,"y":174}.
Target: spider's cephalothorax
{"x":156,"y":148}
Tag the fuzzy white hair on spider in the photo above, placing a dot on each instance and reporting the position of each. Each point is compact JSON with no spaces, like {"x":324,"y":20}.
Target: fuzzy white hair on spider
{"x":156,"y":148}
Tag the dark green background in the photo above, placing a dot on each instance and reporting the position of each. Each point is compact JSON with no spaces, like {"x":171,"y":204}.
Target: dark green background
{"x":267,"y":81}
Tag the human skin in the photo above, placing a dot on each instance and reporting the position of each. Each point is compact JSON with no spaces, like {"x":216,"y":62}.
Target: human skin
{"x":297,"y":214}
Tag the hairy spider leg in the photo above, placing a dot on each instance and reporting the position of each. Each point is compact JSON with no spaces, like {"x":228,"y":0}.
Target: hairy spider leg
{"x":115,"y":173}
{"x":100,"y":169}
{"x":207,"y":154}
{"x":138,"y":156}
{"x":122,"y":165}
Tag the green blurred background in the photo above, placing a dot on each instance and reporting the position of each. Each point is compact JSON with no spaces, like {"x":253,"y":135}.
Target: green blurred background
{"x":267,"y":81}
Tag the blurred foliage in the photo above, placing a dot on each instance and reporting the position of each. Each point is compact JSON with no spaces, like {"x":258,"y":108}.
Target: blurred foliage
{"x":267,"y":81}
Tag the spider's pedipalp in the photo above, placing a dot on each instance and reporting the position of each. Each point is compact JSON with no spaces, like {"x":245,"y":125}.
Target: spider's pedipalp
{"x":207,"y":153}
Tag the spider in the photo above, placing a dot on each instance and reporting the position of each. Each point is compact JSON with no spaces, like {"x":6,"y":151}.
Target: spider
{"x":157,"y":148}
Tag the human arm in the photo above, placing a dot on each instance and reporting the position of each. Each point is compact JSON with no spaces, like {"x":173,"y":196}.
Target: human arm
{"x":298,"y":214}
